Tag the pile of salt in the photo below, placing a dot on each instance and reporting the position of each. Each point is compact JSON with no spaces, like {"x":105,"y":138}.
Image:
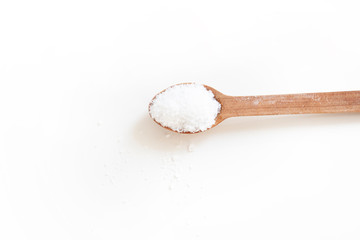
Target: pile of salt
{"x":185,"y":108}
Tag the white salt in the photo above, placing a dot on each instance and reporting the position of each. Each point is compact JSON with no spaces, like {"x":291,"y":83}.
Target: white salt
{"x":185,"y":108}
{"x":191,"y":147}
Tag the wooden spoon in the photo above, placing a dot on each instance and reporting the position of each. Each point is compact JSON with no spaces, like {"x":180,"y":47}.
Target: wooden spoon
{"x":304,"y":103}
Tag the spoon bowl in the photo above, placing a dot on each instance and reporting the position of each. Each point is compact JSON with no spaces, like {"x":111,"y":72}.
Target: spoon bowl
{"x":217,"y":120}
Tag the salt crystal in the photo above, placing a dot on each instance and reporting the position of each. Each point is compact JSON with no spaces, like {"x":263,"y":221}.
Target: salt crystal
{"x":185,"y":108}
{"x":191,"y":147}
{"x":174,"y":158}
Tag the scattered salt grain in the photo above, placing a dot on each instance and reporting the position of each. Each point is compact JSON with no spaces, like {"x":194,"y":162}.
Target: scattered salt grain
{"x":185,"y":108}
{"x":191,"y":147}
{"x":174,"y":158}
{"x":111,"y":181}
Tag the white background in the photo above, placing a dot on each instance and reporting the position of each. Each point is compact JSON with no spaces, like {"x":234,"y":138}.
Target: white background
{"x":81,"y":159}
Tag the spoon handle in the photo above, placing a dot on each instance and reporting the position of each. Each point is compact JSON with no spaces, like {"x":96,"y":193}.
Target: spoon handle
{"x":306,"y":103}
